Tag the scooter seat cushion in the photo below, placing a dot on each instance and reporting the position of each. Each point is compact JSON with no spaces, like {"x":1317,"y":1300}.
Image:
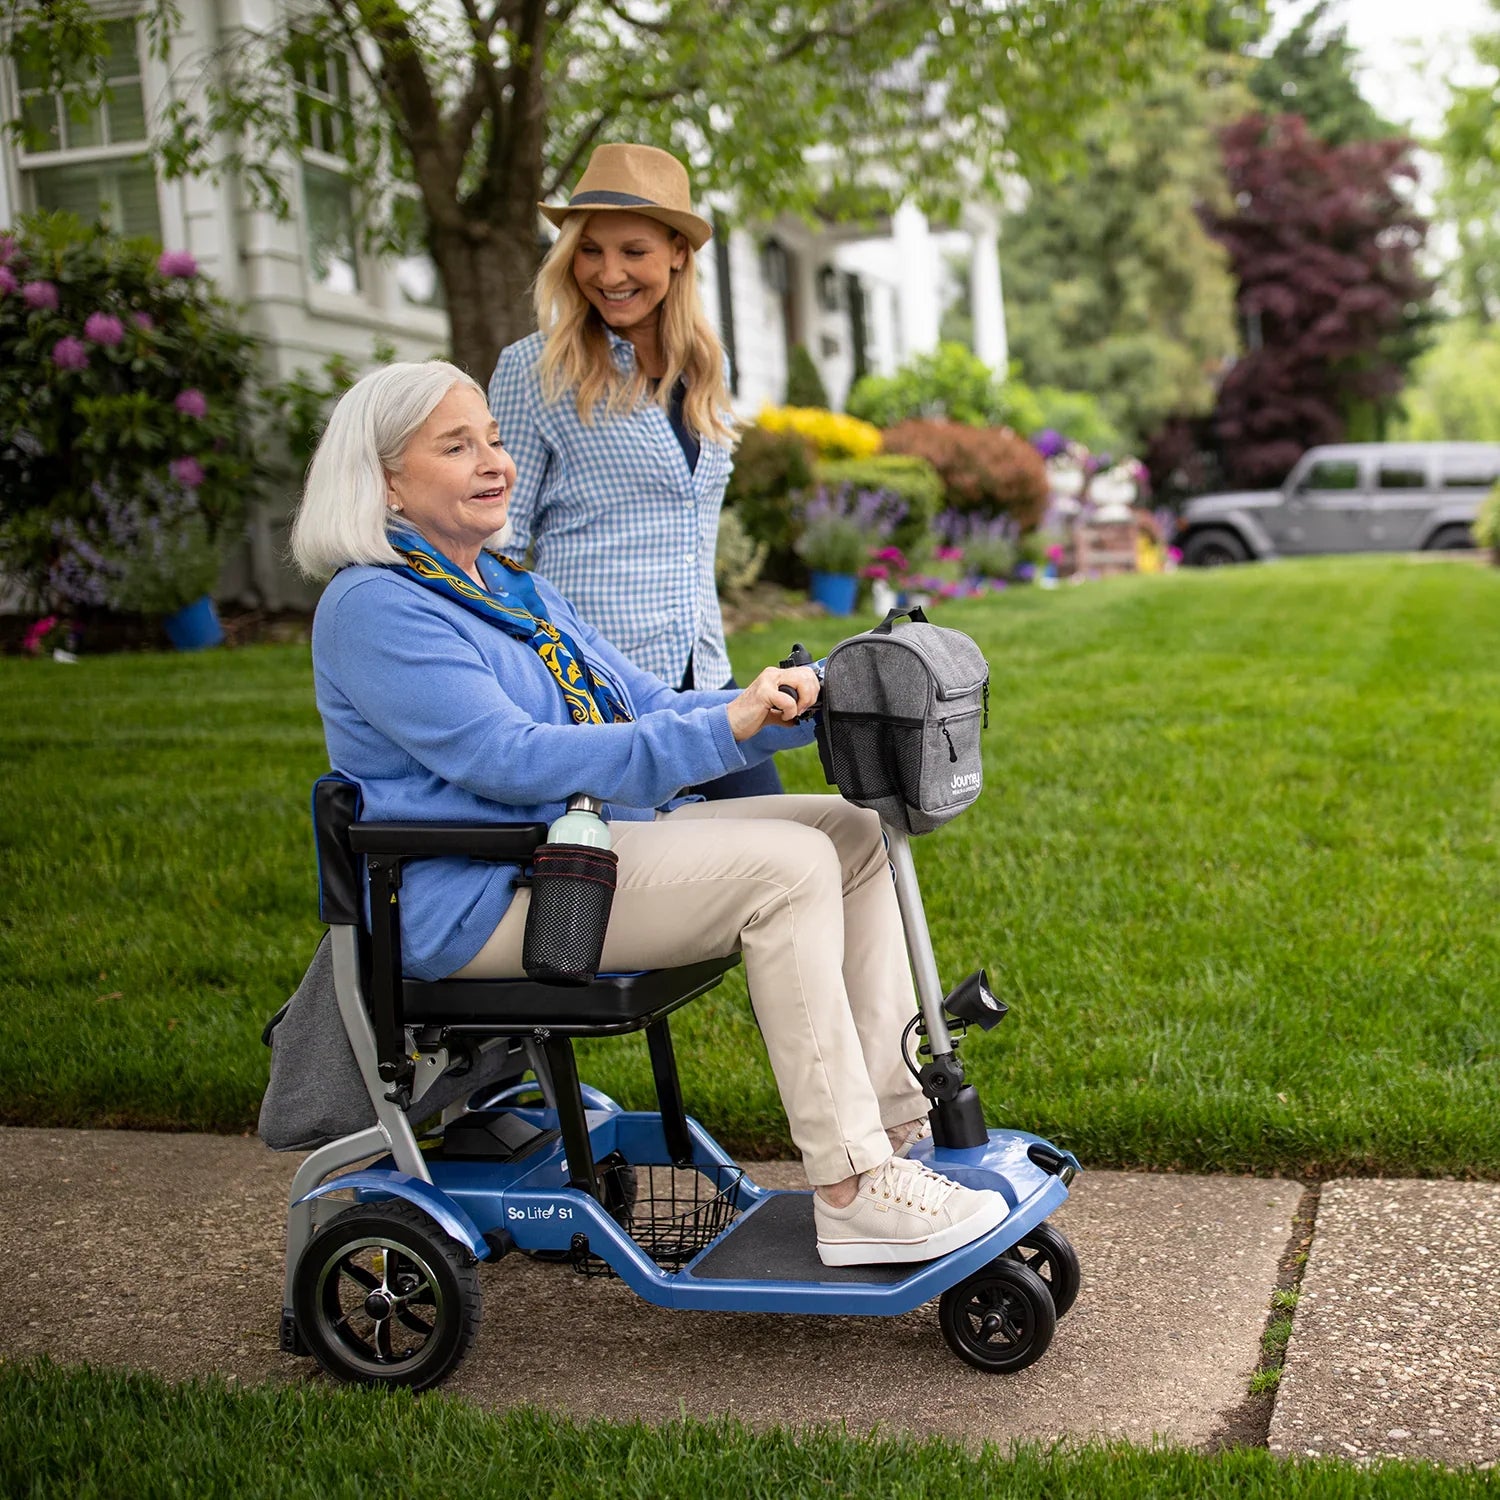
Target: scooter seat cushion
{"x":611,"y":1003}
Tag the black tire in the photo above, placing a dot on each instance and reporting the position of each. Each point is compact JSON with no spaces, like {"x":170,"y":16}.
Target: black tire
{"x":1000,"y":1319}
{"x":382,"y":1296}
{"x":1214,"y":547}
{"x":1451,"y":539}
{"x":1050,"y":1253}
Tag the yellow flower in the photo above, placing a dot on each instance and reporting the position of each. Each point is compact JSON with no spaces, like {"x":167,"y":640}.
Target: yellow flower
{"x":832,"y":433}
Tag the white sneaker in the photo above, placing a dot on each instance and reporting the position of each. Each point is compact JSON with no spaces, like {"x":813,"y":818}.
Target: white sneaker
{"x":921,"y":1133}
{"x":903,"y":1212}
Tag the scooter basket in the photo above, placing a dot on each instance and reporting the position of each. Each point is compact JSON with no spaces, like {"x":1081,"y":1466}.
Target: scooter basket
{"x":670,"y":1212}
{"x":572,"y":890}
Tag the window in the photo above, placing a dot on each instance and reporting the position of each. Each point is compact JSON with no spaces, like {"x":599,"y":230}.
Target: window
{"x":89,"y":161}
{"x":325,"y":124}
{"x":1470,"y":473}
{"x":416,"y":275}
{"x":1401,"y":476}
{"x":1340,"y":474}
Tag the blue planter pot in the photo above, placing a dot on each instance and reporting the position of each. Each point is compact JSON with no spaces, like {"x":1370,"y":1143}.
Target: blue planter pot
{"x":836,"y":592}
{"x":194,"y":626}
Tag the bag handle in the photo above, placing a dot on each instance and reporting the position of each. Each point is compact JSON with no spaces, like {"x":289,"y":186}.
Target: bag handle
{"x":914,"y":614}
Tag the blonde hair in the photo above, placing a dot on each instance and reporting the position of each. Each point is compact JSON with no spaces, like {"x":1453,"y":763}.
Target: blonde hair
{"x":577,"y":355}
{"x":343,"y":515}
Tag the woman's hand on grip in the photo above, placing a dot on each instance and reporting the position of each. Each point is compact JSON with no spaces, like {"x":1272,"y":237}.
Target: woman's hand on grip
{"x":764,"y":701}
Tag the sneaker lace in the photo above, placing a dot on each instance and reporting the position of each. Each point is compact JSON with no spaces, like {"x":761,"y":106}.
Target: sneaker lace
{"x":916,"y":1187}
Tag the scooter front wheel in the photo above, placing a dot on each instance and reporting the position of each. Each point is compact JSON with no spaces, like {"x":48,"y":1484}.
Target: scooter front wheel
{"x":1000,"y":1319}
{"x":1051,"y":1255}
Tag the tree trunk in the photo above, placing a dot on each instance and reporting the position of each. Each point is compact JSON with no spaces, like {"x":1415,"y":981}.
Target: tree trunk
{"x":487,"y":271}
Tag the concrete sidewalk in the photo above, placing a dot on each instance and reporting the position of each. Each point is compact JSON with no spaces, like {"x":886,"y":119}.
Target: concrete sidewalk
{"x":164,"y":1252}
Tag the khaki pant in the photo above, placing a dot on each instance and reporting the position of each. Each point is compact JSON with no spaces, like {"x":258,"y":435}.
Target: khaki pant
{"x":801,"y":887}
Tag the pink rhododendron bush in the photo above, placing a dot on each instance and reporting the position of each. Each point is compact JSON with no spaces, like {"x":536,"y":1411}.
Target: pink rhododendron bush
{"x":125,"y":450}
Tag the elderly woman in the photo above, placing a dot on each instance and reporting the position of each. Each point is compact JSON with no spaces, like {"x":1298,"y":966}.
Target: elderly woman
{"x":454,"y":685}
{"x":617,"y":413}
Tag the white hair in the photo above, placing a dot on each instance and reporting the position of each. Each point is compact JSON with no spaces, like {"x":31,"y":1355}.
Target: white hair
{"x":343,"y":514}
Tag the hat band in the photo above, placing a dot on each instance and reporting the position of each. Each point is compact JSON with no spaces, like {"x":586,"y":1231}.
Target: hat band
{"x":601,"y":199}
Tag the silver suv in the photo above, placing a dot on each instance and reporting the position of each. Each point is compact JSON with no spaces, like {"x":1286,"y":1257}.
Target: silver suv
{"x":1352,"y":497}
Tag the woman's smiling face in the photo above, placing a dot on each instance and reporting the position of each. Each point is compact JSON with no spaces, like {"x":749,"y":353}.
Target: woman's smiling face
{"x":455,"y":477}
{"x":624,"y":264}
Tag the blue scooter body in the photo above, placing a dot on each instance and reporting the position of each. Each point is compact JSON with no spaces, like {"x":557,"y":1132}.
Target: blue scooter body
{"x":764,"y":1261}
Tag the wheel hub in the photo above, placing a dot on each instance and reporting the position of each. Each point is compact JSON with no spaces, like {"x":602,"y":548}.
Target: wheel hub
{"x":378,"y":1306}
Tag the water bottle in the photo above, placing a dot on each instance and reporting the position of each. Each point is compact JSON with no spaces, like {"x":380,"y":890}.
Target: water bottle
{"x":581,"y":824}
{"x":572,"y":890}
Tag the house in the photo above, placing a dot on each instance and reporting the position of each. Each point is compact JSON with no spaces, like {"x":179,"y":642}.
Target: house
{"x":860,"y":299}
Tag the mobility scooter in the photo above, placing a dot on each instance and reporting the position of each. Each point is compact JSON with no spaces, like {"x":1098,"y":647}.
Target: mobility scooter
{"x":525,"y":1157}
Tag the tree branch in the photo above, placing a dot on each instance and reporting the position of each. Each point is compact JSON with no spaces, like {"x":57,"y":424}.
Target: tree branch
{"x":656,"y":28}
{"x":815,"y":34}
{"x":571,"y":160}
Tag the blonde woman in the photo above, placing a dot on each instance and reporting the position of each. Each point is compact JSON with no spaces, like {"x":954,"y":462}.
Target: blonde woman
{"x":617,"y":414}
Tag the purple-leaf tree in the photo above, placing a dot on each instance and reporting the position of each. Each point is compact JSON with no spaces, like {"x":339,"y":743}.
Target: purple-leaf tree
{"x":1324,"y":242}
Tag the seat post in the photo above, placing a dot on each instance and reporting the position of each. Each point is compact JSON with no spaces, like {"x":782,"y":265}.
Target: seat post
{"x":669,"y":1092}
{"x":571,"y":1119}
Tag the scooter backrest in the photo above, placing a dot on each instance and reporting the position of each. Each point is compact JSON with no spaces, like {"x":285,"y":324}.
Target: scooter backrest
{"x":340,"y":885}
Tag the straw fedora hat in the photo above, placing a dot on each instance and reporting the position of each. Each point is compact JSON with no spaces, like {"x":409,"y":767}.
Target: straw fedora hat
{"x":635,"y":180}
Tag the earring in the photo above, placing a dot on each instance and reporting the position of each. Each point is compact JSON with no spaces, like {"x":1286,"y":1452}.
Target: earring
{"x":396,"y":506}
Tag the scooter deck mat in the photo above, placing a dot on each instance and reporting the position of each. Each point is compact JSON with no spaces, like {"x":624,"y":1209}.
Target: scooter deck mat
{"x":779,"y":1242}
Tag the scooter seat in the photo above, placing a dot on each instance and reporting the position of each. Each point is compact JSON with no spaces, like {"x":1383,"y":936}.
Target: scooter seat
{"x":612,"y":1003}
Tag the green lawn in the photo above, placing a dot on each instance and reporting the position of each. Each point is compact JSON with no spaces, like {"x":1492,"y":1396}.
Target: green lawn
{"x":92,"y":1433}
{"x":1235,"y":867}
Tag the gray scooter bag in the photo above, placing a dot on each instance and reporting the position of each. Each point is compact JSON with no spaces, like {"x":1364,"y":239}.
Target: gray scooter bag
{"x":901,"y":711}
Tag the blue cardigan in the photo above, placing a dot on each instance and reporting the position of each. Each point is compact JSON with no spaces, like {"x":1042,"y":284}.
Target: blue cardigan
{"x":442,"y":717}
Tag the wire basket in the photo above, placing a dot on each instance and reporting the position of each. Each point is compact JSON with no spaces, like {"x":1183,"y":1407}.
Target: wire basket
{"x":670,"y":1212}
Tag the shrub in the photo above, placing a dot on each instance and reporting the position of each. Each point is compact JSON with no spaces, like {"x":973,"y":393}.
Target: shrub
{"x":988,"y":545}
{"x":986,"y":470}
{"x":1486,"y":526}
{"x":841,"y":526}
{"x":914,"y":479}
{"x":1078,"y":416}
{"x":122,"y":387}
{"x":769,"y":467}
{"x":950,"y":382}
{"x":833,"y":434}
{"x":738,"y":557}
{"x":804,"y":386}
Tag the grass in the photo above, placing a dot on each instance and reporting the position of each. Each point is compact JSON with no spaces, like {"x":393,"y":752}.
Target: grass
{"x":1235,"y":869}
{"x":90,"y":1433}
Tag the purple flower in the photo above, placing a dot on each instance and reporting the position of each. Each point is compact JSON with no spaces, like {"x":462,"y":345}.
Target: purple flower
{"x":7,"y":247}
{"x":187,"y":472}
{"x":177,"y":263}
{"x":191,"y":403}
{"x":104,"y":328}
{"x":8,"y":282}
{"x":1049,"y":442}
{"x":144,"y":321}
{"x":41,"y":296}
{"x":70,"y":354}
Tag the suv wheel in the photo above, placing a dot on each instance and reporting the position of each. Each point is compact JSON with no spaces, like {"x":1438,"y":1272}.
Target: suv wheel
{"x":1451,"y":539}
{"x":1214,"y":548}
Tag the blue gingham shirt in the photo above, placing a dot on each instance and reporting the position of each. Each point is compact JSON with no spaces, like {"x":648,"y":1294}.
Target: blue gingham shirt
{"x":615,"y":519}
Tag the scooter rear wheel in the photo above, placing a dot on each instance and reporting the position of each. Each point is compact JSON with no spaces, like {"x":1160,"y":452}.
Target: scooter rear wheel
{"x":382,"y":1296}
{"x":1051,"y":1255}
{"x":1000,"y":1319}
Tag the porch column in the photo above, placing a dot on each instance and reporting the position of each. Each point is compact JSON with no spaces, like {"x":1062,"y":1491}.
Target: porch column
{"x":990,"y":342}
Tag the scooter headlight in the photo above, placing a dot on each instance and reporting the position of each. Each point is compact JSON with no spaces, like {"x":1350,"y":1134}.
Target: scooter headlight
{"x":974,"y":1002}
